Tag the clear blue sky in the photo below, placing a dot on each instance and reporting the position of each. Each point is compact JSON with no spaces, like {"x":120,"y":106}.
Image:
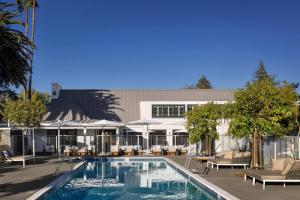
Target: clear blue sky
{"x":164,"y":44}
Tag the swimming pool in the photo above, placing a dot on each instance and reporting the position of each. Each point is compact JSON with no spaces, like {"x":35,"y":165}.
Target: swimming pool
{"x":130,"y":179}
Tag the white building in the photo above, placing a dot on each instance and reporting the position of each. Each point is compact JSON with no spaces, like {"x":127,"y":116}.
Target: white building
{"x":164,"y":109}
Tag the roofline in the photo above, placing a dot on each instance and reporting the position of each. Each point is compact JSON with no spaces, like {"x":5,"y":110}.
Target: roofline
{"x":150,"y":89}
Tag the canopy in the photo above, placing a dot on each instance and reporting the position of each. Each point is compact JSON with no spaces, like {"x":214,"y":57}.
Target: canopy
{"x":105,"y":122}
{"x":180,"y":131}
{"x":179,"y":123}
{"x":61,"y":123}
{"x":144,"y":122}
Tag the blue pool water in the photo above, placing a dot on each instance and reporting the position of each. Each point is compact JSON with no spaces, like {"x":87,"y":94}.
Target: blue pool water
{"x":129,"y":180}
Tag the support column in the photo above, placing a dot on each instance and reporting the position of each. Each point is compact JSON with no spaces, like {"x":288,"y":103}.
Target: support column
{"x":169,"y":137}
{"x":23,"y":146}
{"x":84,"y":135}
{"x":102,"y":140}
{"x":58,"y":143}
{"x":33,"y":143}
{"x":118,"y":136}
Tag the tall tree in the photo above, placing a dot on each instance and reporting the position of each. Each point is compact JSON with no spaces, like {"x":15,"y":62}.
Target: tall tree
{"x":13,"y":47}
{"x":202,"y":83}
{"x":26,"y":5}
{"x":263,"y":108}
{"x":261,"y":73}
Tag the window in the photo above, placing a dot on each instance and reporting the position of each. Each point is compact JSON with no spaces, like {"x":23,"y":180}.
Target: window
{"x":168,"y":110}
{"x":190,"y":107}
{"x":53,"y":93}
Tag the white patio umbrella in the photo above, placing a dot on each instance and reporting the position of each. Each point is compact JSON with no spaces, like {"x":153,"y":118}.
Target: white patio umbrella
{"x":146,"y":122}
{"x":180,"y":131}
{"x":104,"y":123}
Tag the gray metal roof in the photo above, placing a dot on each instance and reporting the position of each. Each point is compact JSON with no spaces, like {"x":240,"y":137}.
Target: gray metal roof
{"x":122,"y":105}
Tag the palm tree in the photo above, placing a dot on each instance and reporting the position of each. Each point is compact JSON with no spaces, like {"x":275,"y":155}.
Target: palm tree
{"x":27,"y":4}
{"x":13,"y":47}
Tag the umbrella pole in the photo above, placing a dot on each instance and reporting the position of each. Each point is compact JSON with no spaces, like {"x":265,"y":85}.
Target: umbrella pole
{"x":102,"y":142}
{"x":23,"y":147}
{"x":33,"y":143}
{"x":58,"y":141}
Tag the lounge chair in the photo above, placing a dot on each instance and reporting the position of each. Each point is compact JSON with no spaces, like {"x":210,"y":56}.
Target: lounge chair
{"x":172,"y":150}
{"x":283,"y":171}
{"x":156,"y":150}
{"x":91,"y":150}
{"x":82,"y":151}
{"x":129,"y":151}
{"x":115,"y":150}
{"x":10,"y":158}
{"x":232,"y":159}
{"x":68,"y":151}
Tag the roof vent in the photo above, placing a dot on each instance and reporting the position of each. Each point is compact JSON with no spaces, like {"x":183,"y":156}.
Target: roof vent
{"x":55,"y":89}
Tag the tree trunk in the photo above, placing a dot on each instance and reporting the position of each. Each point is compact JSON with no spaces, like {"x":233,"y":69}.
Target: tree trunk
{"x":24,"y":94}
{"x":255,"y":159}
{"x":31,"y":53}
{"x":260,"y":152}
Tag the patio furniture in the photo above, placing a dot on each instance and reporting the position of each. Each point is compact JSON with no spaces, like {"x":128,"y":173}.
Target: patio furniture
{"x":82,"y":151}
{"x":68,"y":151}
{"x":91,"y":150}
{"x":129,"y":151}
{"x":232,"y":159}
{"x":10,"y":158}
{"x":283,"y":171}
{"x":157,"y":150}
{"x":172,"y":150}
{"x":115,"y":150}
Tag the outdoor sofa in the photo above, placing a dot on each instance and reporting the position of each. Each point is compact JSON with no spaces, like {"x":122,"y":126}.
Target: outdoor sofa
{"x":285,"y":170}
{"x":231,"y":159}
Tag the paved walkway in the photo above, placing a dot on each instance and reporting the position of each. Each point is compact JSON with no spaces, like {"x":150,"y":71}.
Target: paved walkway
{"x":18,"y":183}
{"x":232,"y":182}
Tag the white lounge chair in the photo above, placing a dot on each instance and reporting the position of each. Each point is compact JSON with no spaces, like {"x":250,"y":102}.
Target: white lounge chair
{"x":22,"y":159}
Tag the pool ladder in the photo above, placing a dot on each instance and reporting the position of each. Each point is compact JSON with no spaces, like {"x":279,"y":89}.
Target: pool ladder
{"x":61,"y":161}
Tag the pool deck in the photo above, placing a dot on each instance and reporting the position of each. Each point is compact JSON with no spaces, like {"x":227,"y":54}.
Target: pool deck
{"x":232,"y":182}
{"x":19,"y":183}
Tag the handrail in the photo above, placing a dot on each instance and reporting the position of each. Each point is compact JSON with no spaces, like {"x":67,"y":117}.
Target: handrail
{"x":61,"y":161}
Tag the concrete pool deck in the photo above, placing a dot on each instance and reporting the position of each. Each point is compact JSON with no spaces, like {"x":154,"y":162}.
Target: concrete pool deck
{"x":19,"y":183}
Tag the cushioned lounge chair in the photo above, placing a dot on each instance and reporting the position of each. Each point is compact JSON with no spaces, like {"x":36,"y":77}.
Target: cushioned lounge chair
{"x":115,"y":150}
{"x":157,"y":150}
{"x":172,"y":150}
{"x":283,"y":171}
{"x":23,"y":159}
{"x":68,"y":151}
{"x":232,"y":159}
{"x":82,"y":151}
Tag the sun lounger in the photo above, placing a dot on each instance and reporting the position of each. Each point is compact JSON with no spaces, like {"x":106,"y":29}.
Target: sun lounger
{"x":115,"y":150}
{"x":68,"y":151}
{"x":172,"y":151}
{"x":283,"y":171}
{"x":232,"y":159}
{"x":157,"y":150}
{"x":82,"y":151}
{"x":22,"y":159}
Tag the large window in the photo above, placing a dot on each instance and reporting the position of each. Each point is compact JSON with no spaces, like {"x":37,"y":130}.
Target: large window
{"x":168,"y":110}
